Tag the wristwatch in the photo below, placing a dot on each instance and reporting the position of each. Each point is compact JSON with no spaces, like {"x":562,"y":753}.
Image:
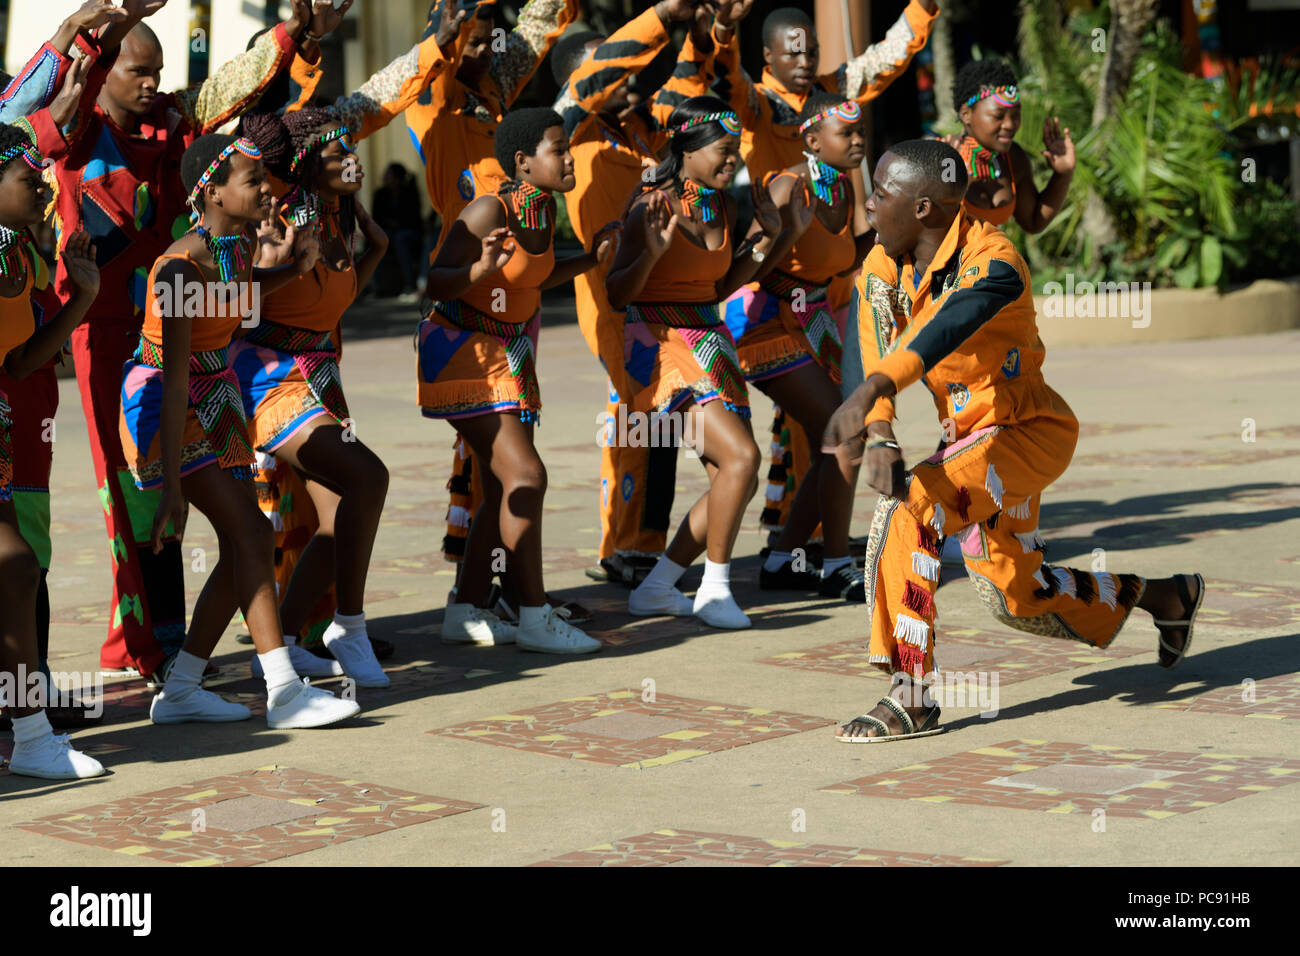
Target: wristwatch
{"x":758,"y":254}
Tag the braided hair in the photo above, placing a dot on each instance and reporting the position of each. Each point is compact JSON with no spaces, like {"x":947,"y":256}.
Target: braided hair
{"x":280,"y":138}
{"x":976,"y":75}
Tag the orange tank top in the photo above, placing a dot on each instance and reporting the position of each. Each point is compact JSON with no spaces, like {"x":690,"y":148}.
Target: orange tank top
{"x":820,"y":254}
{"x":688,"y":272}
{"x":17,"y":321}
{"x":215,"y":309}
{"x":517,"y":287}
{"x":996,"y":215}
{"x":314,"y":301}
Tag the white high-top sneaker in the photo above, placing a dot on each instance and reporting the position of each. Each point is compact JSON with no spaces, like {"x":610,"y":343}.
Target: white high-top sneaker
{"x":555,"y":635}
{"x":355,"y":653}
{"x":467,"y":624}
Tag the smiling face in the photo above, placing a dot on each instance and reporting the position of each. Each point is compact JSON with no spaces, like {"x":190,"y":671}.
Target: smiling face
{"x":839,"y":144}
{"x":713,"y":165}
{"x":338,"y":168}
{"x":23,"y":195}
{"x":132,"y":84}
{"x":993,"y":125}
{"x":245,"y":194}
{"x":551,"y":165}
{"x":793,"y":58}
{"x":893,"y":209}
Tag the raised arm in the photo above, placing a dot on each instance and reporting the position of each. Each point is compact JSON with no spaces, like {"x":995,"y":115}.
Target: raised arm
{"x":540,"y":24}
{"x":238,"y":84}
{"x":36,"y":84}
{"x":692,"y":76}
{"x":733,"y":83}
{"x":478,"y":245}
{"x":79,"y":260}
{"x":628,"y":50}
{"x":56,"y":129}
{"x":867,"y":74}
{"x":399,"y":84}
{"x":647,"y":232}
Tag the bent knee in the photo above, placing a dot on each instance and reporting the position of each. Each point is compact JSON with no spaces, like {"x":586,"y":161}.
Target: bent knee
{"x":20,"y":572}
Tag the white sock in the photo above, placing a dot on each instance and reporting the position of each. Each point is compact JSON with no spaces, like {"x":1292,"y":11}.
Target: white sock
{"x":278,"y":671}
{"x":775,"y":559}
{"x":346,"y":625}
{"x":31,"y":729}
{"x":530,"y":617}
{"x":185,"y":677}
{"x":717,"y":578}
{"x":665,"y":574}
{"x":829,"y":565}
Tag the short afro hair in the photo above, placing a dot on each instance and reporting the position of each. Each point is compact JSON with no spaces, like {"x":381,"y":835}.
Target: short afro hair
{"x":786,"y":18}
{"x":569,"y":52}
{"x":521,"y":131}
{"x":935,"y":168}
{"x":976,"y":75}
{"x":199,"y":157}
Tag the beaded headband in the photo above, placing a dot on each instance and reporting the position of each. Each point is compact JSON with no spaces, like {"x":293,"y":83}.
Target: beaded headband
{"x":848,"y":111}
{"x":241,"y":145}
{"x":729,"y":121}
{"x":27,"y":151}
{"x":1002,"y":95}
{"x":340,"y":133}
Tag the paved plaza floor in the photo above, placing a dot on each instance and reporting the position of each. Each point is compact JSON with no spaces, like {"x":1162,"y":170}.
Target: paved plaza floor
{"x":686,"y":746}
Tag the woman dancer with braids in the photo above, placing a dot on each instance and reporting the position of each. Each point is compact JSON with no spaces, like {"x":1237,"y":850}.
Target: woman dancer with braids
{"x":789,"y":344}
{"x":182,"y":414}
{"x":23,"y":349}
{"x":675,"y":263}
{"x":477,"y":349}
{"x":293,"y":395}
{"x":1001,"y":176}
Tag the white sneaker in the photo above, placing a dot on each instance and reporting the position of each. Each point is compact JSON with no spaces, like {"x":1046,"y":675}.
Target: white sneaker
{"x":555,"y":635}
{"x":653,"y":602}
{"x":467,"y":624}
{"x":53,"y":758}
{"x":305,"y":663}
{"x":309,"y":707}
{"x":357,"y":656}
{"x":719,"y":610}
{"x":199,"y":706}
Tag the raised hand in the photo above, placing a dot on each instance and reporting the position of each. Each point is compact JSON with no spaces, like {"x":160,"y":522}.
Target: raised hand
{"x":682,"y":9}
{"x":65,"y":104}
{"x":95,"y":13}
{"x":139,"y":9}
{"x":498,"y":247}
{"x":453,"y":17}
{"x":605,"y":241}
{"x":1059,"y":151}
{"x":306,"y":251}
{"x":274,"y":244}
{"x":731,"y":12}
{"x":660,"y":221}
{"x":766,"y":214}
{"x":325,"y":19}
{"x":801,"y":210}
{"x":299,"y":18}
{"x":79,"y":262}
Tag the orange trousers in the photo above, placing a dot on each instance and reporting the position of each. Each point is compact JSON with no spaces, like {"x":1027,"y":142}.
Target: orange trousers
{"x":986,"y":488}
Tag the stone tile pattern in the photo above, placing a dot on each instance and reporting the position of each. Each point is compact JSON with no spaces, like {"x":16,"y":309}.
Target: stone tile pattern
{"x":1251,"y":606}
{"x":1198,"y":780}
{"x":1014,"y":658}
{"x":703,"y":727}
{"x":695,"y":848}
{"x":1276,"y":698}
{"x":159,"y":826}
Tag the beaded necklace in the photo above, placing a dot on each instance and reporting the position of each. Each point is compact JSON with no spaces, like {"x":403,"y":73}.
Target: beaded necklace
{"x":695,"y":196}
{"x":13,"y":264}
{"x":529,"y":203}
{"x":830,"y":184}
{"x":229,"y":253}
{"x":982,"y":164}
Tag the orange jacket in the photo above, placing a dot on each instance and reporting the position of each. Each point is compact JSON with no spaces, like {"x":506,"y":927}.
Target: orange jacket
{"x":967,"y":330}
{"x":769,"y":113}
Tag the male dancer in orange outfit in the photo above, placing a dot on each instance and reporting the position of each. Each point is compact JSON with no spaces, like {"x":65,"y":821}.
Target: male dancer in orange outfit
{"x":946,"y":300}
